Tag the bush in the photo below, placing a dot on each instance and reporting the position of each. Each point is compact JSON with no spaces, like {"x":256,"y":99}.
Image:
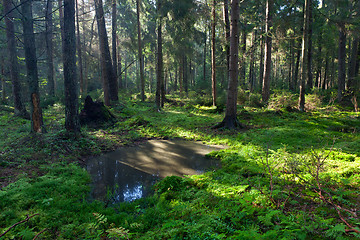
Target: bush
{"x":282,"y":100}
{"x":312,"y":102}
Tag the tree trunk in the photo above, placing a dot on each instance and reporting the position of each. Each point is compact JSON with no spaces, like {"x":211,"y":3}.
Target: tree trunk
{"x":114,"y":42}
{"x":70,"y":78}
{"x":261,"y":67}
{"x":230,"y":120}
{"x":342,"y":62}
{"x":304,"y":58}
{"x":213,"y":56}
{"x":13,"y":62}
{"x":267,"y":58}
{"x":352,"y":66}
{"x":79,"y":50}
{"x":120,"y":78}
{"x":49,"y":48}
{"x":142,"y":80}
{"x":159,"y":75}
{"x":227,"y":34}
{"x":185,"y":75}
{"x":243,"y":53}
{"x":204,"y":64}
{"x":3,"y":83}
{"x":109,"y":81}
{"x":252,"y":62}
{"x":31,"y":67}
{"x":309,"y":84}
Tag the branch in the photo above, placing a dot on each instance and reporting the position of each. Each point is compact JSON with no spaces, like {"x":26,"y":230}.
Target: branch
{"x":39,"y":233}
{"x":25,"y":220}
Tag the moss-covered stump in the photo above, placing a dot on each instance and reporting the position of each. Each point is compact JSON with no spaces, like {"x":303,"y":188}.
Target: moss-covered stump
{"x":95,"y":113}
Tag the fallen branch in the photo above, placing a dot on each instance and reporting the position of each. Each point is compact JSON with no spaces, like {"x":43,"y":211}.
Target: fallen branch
{"x":15,"y":224}
{"x":39,"y":233}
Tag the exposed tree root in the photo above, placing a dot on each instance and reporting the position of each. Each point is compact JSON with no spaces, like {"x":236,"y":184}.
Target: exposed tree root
{"x":230,"y":122}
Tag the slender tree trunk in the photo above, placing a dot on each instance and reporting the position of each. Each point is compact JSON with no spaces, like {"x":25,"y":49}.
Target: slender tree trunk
{"x":243,"y":57}
{"x":291,"y":66}
{"x":267,"y":58}
{"x":114,"y":42}
{"x":142,"y":80}
{"x":309,"y":84}
{"x":185,"y":75}
{"x":342,"y":62}
{"x":31,"y":66}
{"x":204,"y":64}
{"x":85,"y":77}
{"x":230,"y":120}
{"x":109,"y":81}
{"x":352,"y":66}
{"x":261,"y":67}
{"x":319,"y":61}
{"x":70,"y":77}
{"x":49,"y":48}
{"x":159,"y":76}
{"x":79,"y":50}
{"x":13,"y":62}
{"x":120,"y":78}
{"x":3,"y":83}
{"x":181,"y":76}
{"x":252,"y":62}
{"x":213,"y":56}
{"x":227,"y":34}
{"x":296,"y":70}
{"x":304,"y":57}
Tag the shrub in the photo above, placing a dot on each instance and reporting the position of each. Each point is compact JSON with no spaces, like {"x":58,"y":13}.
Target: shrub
{"x":282,"y":100}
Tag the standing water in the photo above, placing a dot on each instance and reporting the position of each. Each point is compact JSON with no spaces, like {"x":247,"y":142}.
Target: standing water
{"x":129,"y":172}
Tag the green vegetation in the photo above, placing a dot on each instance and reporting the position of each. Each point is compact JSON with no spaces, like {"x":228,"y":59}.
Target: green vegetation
{"x":290,"y":175}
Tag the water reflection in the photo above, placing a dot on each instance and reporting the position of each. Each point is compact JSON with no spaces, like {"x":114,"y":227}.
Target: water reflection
{"x":129,"y":173}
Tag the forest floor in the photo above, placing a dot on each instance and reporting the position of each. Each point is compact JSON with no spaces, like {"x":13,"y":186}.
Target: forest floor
{"x":289,"y":175}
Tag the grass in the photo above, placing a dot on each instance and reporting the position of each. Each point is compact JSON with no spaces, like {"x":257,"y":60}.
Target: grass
{"x":290,"y":175}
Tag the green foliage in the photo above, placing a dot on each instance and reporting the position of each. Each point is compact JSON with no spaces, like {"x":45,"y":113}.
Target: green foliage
{"x":265,"y":188}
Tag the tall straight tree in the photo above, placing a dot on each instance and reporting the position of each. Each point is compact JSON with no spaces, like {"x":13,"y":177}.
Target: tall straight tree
{"x":304,"y":53}
{"x":70,"y":78}
{"x":213,"y":56}
{"x":230,"y":120}
{"x":227,"y":32}
{"x":13,"y":62}
{"x":159,"y":76}
{"x":110,"y":85}
{"x":267,"y":58}
{"x":113,"y":39}
{"x":342,"y":62}
{"x":141,"y":60}
{"x":49,"y":48}
{"x":31,"y":66}
{"x":79,"y":49}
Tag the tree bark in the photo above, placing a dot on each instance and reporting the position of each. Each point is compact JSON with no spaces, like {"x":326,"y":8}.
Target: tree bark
{"x":114,"y":42}
{"x":243,"y":57}
{"x":13,"y":62}
{"x":227,"y":33}
{"x":120,"y":78}
{"x":213,"y":56}
{"x":49,"y":48}
{"x":109,"y":81}
{"x":230,"y":121}
{"x":309,"y":84}
{"x":31,"y":67}
{"x":141,"y":60}
{"x":252,"y":62}
{"x":351,"y":85}
{"x":159,"y":75}
{"x":267,"y":58}
{"x":70,"y":77}
{"x":304,"y":53}
{"x":342,"y":63}
{"x":79,"y":49}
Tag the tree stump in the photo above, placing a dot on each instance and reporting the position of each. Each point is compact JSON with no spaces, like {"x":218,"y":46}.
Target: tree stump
{"x":95,"y":113}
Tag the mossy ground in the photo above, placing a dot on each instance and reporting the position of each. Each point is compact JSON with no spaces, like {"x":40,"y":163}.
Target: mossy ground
{"x":267,"y":188}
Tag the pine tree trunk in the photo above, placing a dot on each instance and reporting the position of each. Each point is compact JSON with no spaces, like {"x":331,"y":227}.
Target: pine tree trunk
{"x":141,"y":60}
{"x":72,"y":123}
{"x":120,"y":78}
{"x":267,"y":58}
{"x":49,"y":48}
{"x":159,"y":75}
{"x":79,"y":50}
{"x":13,"y":62}
{"x":342,"y":62}
{"x":230,"y":121}
{"x":31,"y":67}
{"x":252,"y":62}
{"x":227,"y":34}
{"x":304,"y":57}
{"x":352,"y":66}
{"x":242,"y":58}
{"x":114,"y":42}
{"x":309,"y":84}
{"x":213,"y":56}
{"x":109,"y":81}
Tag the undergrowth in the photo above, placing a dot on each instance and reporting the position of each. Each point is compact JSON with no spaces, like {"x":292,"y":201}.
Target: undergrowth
{"x":289,"y":176}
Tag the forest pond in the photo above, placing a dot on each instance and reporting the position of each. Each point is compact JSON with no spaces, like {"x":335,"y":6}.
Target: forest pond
{"x":129,"y":172}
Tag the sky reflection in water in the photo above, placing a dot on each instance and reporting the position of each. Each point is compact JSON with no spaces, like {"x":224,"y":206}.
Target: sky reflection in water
{"x":129,"y":173}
